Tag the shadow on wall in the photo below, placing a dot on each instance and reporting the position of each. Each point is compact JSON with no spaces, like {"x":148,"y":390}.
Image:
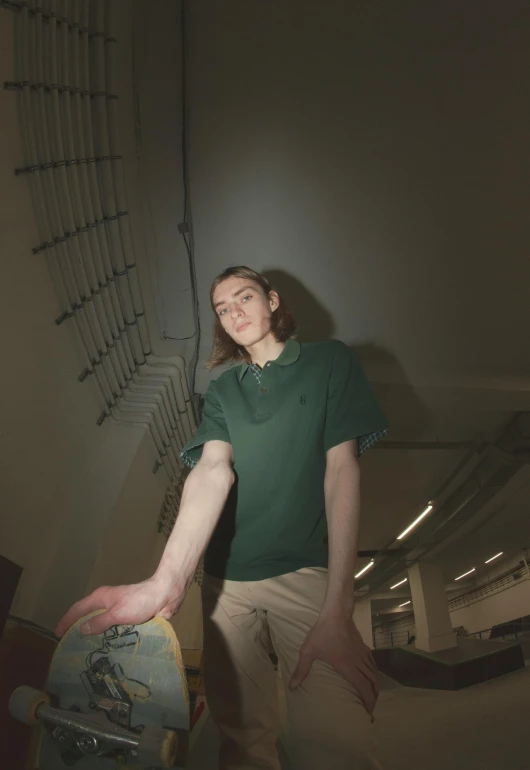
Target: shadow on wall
{"x":315,"y":323}
{"x":409,"y":416}
{"x":411,"y":419}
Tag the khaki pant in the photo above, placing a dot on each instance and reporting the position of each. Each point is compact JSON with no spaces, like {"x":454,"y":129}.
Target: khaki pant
{"x":328,"y":726}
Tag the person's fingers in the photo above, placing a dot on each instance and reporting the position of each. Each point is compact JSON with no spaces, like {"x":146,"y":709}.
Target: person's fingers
{"x":305,"y":661}
{"x":356,"y":668}
{"x":370,"y":703}
{"x":90,"y":603}
{"x":118,"y":605}
{"x":364,"y":680}
{"x":100,"y":623}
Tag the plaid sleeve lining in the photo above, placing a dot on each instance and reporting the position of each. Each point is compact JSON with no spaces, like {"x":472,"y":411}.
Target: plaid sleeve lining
{"x":369,"y":440}
{"x":187,"y":459}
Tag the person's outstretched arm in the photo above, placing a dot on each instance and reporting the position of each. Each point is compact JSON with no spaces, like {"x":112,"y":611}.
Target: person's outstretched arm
{"x":203,"y":499}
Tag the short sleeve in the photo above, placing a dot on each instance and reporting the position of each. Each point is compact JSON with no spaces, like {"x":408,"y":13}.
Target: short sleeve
{"x":212,"y":428}
{"x":352,"y":411}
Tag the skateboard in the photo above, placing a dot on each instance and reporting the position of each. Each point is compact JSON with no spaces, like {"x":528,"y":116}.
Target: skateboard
{"x":111,"y":700}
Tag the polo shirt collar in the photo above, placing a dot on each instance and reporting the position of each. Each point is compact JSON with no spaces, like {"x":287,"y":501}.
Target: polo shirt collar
{"x":289,"y":355}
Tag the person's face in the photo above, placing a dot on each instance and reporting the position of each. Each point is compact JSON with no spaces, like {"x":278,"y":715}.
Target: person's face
{"x":244,"y":310}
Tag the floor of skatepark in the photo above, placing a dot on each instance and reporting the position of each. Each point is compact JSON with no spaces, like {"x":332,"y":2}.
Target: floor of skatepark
{"x":484,"y":727}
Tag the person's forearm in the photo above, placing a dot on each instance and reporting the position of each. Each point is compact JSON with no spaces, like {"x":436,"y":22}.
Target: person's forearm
{"x":203,"y":499}
{"x":342,"y":495}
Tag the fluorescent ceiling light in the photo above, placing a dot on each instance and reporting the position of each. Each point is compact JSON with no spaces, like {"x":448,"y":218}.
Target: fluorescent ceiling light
{"x":465,"y":573}
{"x":494,"y":557}
{"x":415,"y":522}
{"x":365,"y":569}
{"x":398,"y":584}
{"x":405,"y":603}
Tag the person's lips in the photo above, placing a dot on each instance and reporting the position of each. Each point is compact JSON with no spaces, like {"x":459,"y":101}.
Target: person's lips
{"x":242,"y":327}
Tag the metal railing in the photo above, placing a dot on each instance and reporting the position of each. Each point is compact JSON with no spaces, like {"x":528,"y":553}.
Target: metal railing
{"x":394,"y":638}
{"x":506,"y":631}
{"x":494,"y":586}
{"x":398,"y":637}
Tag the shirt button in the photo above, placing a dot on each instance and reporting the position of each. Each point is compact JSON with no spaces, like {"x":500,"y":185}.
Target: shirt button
{"x":264,"y":390}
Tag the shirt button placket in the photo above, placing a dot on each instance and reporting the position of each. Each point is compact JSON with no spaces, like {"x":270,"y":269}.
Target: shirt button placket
{"x":264,"y":394}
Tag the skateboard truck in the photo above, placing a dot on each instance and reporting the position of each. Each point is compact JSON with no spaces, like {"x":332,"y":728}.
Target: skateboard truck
{"x":117,"y":711}
{"x":97,"y":733}
{"x":80,"y":734}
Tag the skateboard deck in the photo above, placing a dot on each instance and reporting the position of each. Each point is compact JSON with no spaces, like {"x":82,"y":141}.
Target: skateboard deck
{"x":114,"y":699}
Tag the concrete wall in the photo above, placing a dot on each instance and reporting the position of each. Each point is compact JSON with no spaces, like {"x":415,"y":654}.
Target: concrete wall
{"x":79,"y":503}
{"x":151,"y":104}
{"x":368,"y":154}
{"x":49,"y":440}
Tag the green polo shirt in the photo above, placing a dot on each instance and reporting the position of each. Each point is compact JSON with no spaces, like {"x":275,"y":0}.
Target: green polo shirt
{"x":281,"y":420}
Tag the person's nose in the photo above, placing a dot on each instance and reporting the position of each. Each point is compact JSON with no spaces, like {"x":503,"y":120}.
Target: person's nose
{"x":236,"y":310}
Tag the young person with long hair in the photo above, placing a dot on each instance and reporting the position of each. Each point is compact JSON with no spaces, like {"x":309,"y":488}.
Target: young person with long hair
{"x":273,"y":503}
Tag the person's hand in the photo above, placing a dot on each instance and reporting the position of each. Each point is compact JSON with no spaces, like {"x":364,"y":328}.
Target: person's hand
{"x":123,"y":605}
{"x":337,"y":641}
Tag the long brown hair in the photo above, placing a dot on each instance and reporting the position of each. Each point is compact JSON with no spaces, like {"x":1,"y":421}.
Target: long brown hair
{"x":225,"y":349}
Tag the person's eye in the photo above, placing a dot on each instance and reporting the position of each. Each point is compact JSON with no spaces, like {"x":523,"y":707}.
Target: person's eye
{"x":223,"y":311}
{"x":249,"y":296}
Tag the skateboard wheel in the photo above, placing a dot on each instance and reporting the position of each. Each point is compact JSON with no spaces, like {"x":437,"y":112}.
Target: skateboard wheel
{"x":158,"y":747}
{"x":24,"y":703}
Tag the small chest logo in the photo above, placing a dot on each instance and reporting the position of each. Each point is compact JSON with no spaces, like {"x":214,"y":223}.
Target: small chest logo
{"x":303,"y":400}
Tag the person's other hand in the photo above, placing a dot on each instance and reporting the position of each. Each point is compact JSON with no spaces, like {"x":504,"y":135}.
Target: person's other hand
{"x":123,"y":605}
{"x":338,"y":642}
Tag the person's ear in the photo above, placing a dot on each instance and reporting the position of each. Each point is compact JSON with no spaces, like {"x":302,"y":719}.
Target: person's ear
{"x":274,"y":300}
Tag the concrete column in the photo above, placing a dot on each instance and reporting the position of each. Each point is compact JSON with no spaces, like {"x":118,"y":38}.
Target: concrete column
{"x":362,"y":617}
{"x":431,"y":610}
